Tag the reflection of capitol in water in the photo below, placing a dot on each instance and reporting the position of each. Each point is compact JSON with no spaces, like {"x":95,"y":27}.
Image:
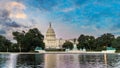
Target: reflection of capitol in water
{"x":50,"y":60}
{"x":68,"y":61}
{"x":77,"y":61}
{"x":61,"y":61}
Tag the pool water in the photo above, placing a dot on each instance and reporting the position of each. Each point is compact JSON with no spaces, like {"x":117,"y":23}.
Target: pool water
{"x":60,"y":60}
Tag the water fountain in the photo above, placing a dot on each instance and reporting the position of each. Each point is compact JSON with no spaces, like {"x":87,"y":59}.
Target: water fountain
{"x":67,"y":61}
{"x":75,"y":50}
{"x":75,"y":47}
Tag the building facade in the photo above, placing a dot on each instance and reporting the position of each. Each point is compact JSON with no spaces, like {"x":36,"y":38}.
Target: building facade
{"x":51,"y":41}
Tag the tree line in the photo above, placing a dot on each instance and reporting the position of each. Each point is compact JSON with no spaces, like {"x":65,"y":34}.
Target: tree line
{"x":91,"y":43}
{"x":28,"y":41}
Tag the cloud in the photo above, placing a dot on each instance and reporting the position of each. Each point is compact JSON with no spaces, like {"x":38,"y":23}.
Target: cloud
{"x":68,"y":9}
{"x":10,"y":12}
{"x":5,"y":20}
{"x":7,"y":25}
{"x":16,"y":10}
{"x":2,"y":31}
{"x":87,"y":16}
{"x":15,"y":5}
{"x":18,"y":15}
{"x":13,"y":24}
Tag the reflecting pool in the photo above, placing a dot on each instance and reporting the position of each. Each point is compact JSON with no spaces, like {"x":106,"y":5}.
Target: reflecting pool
{"x":60,"y":60}
{"x":21,"y":61}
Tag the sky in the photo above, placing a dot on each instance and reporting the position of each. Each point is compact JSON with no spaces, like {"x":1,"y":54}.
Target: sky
{"x":69,"y":18}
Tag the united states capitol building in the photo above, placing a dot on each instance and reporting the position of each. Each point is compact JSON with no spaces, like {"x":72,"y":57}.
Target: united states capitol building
{"x":51,"y":41}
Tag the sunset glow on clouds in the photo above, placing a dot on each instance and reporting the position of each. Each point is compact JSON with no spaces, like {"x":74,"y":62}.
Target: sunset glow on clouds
{"x":16,"y":10}
{"x":69,"y":18}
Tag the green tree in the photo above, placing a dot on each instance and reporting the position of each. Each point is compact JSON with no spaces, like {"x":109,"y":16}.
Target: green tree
{"x":107,"y":39}
{"x":81,"y":41}
{"x":35,"y":38}
{"x":5,"y":44}
{"x":30,"y":40}
{"x":68,"y":45}
{"x":19,"y":37}
{"x":14,"y":47}
{"x":86,"y":42}
{"x":104,"y":41}
{"x":99,"y":44}
{"x":116,"y":43}
{"x":91,"y":43}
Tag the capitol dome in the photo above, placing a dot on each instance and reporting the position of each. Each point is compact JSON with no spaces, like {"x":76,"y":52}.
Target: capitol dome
{"x":50,"y":34}
{"x":50,"y":39}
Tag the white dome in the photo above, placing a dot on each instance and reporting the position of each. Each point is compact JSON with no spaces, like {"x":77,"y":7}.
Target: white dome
{"x":50,"y":33}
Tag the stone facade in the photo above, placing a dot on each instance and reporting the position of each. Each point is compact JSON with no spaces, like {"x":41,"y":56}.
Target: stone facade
{"x":51,"y":41}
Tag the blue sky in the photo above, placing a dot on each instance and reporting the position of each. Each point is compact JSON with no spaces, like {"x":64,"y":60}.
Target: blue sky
{"x":69,"y":18}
